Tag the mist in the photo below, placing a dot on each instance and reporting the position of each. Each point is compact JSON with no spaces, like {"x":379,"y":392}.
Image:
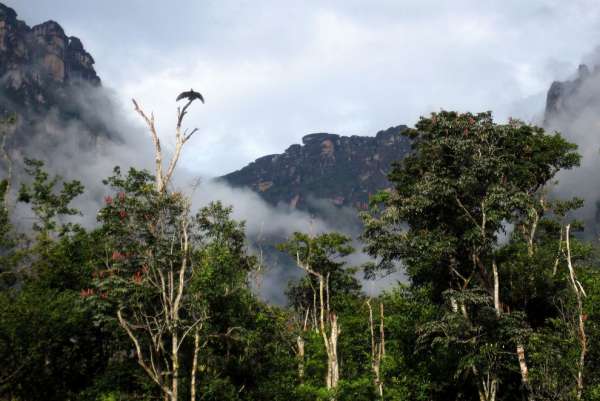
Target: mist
{"x":575,"y":116}
{"x":108,"y":134}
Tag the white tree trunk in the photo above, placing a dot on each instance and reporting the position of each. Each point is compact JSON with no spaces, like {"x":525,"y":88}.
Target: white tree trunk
{"x":300,"y":356}
{"x":195,"y":364}
{"x":579,"y":294}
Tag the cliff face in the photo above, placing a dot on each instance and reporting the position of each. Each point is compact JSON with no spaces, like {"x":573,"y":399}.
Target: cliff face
{"x":48,"y":80}
{"x":36,"y":62}
{"x":572,"y":109}
{"x":568,"y":99}
{"x":343,"y":170}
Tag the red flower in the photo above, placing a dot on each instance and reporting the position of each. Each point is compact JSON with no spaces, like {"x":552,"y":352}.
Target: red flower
{"x":137,"y":277}
{"x":117,"y":256}
{"x":122,"y":214}
{"x":88,"y":292}
{"x":121,"y":196}
{"x":108,"y":200}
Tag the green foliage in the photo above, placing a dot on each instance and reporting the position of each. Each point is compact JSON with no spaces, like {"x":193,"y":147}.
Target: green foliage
{"x":46,"y":202}
{"x":324,"y":254}
{"x":466,"y":178}
{"x":468,"y":183}
{"x":471,"y":200}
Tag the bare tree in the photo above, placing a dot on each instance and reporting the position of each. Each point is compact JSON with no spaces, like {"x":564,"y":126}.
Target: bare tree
{"x":163,"y":179}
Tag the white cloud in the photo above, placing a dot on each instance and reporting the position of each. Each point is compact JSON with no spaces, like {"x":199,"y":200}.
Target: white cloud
{"x":274,"y":71}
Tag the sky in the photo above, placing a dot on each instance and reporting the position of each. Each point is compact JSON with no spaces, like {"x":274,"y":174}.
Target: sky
{"x":274,"y":71}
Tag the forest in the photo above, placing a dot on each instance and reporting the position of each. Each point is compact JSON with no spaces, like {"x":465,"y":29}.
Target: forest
{"x":156,"y":301}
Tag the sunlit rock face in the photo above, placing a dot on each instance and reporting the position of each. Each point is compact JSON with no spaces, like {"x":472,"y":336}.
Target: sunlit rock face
{"x":341,"y":170}
{"x":32,"y":58}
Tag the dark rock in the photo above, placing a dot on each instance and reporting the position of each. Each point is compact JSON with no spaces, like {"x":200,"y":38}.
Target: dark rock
{"x":44,"y":74}
{"x":38,"y":63}
{"x":560,"y":98}
{"x":344,"y":170}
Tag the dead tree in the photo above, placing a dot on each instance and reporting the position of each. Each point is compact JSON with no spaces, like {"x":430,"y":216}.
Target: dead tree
{"x":162,"y":178}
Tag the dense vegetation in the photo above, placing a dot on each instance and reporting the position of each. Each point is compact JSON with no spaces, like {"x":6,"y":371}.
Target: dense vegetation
{"x":156,"y":301}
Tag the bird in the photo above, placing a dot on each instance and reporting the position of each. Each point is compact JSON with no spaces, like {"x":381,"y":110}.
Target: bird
{"x":191,"y":95}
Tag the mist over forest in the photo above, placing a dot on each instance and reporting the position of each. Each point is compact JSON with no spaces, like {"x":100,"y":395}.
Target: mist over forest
{"x":333,"y":212}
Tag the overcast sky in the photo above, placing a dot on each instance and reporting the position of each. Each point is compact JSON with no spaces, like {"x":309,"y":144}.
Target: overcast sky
{"x":274,"y":71}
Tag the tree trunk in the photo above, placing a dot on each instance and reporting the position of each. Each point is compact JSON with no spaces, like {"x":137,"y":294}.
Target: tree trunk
{"x":377,"y":348}
{"x":195,"y":364}
{"x":334,"y":369}
{"x":524,"y":371}
{"x":497,"y":305}
{"x":300,"y":356}
{"x":175,"y":368}
{"x":579,"y":293}
{"x":328,"y":327}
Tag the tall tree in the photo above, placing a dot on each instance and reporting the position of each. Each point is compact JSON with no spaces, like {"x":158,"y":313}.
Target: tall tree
{"x":318,"y":293}
{"x":466,"y":182}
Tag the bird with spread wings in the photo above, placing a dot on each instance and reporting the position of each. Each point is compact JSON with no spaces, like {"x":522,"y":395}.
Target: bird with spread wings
{"x":191,"y":95}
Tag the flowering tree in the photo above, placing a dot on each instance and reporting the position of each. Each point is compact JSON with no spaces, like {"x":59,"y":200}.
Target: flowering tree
{"x":152,"y":258}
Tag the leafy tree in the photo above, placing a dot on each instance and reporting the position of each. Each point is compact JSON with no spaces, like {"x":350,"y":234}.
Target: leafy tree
{"x":48,"y":347}
{"x":466,"y":181}
{"x":322,"y":294}
{"x":170,"y":277}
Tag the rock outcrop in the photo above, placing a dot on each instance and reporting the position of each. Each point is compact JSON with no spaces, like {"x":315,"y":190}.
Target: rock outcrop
{"x":48,"y":80}
{"x":38,"y":60}
{"x":344,"y":170}
{"x":566,"y":99}
{"x":572,"y":109}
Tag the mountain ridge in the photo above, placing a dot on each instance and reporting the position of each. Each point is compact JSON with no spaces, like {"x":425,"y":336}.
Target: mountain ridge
{"x":345,"y":170}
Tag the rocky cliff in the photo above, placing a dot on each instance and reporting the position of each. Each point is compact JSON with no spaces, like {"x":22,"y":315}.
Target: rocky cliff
{"x":344,"y":170}
{"x":48,"y":79}
{"x":572,"y":109}
{"x":568,"y":99}
{"x":36,"y":62}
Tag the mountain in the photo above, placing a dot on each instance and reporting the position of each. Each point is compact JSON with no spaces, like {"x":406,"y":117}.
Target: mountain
{"x":37,"y":63}
{"x":567,"y":99}
{"x":572,"y":109}
{"x":344,"y":170}
{"x":48,"y":79}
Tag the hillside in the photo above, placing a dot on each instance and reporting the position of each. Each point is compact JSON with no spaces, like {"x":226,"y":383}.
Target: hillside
{"x":344,"y":170}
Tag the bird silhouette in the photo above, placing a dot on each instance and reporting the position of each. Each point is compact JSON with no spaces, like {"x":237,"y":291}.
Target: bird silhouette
{"x":190,"y":95}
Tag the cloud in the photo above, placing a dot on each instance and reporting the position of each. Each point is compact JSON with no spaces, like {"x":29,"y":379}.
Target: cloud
{"x":72,"y":149}
{"x":578,"y":121}
{"x":272,"y":72}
